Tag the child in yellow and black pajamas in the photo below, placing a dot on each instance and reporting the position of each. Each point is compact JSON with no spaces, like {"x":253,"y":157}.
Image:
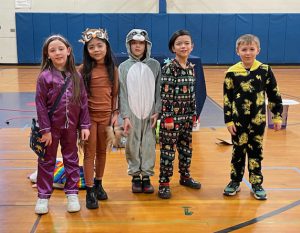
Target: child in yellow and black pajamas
{"x":245,"y":86}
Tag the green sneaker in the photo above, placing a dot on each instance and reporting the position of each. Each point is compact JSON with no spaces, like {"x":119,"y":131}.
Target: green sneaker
{"x":258,"y":192}
{"x":232,"y":188}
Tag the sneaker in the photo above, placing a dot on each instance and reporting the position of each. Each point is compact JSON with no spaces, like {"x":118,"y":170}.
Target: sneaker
{"x":91,"y":198}
{"x":147,"y":186}
{"x":100,"y":192}
{"x":258,"y":192}
{"x":164,"y":191}
{"x":137,"y":186}
{"x":232,"y":188}
{"x":41,"y":206}
{"x":190,"y":182}
{"x":73,"y":203}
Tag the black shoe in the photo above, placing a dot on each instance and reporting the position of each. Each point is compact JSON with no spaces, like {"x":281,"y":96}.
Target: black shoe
{"x":91,"y":199}
{"x":147,"y":186}
{"x":137,"y":186}
{"x":164,"y":191}
{"x":190,"y":182}
{"x":100,"y":192}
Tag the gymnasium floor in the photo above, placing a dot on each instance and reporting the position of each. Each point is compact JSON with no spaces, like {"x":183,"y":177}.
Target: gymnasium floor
{"x":205,"y":210}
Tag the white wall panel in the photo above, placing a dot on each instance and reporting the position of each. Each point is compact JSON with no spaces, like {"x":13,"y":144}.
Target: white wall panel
{"x":8,"y":50}
{"x":233,"y":6}
{"x":94,"y":6}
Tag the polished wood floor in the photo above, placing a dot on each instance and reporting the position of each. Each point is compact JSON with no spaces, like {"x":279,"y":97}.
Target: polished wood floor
{"x":205,"y":210}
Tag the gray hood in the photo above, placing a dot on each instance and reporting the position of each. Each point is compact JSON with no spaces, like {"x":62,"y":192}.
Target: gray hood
{"x":139,"y":35}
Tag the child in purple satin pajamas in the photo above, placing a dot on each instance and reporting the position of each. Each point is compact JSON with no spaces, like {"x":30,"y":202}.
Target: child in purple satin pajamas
{"x":70,"y":115}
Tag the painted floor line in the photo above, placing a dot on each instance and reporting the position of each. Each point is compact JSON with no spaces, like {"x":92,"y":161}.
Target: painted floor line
{"x":260,"y":218}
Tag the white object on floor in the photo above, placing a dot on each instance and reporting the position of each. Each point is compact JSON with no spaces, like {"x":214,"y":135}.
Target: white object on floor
{"x":226,"y":142}
{"x":286,"y":103}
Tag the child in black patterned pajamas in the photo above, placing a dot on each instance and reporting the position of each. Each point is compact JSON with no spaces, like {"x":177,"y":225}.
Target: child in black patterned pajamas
{"x":178,"y":114}
{"x":245,"y":86}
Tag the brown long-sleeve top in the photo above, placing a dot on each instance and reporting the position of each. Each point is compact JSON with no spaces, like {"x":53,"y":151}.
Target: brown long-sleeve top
{"x":104,"y":95}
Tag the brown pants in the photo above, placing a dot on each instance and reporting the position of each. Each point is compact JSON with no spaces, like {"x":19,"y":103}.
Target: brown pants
{"x":95,"y":147}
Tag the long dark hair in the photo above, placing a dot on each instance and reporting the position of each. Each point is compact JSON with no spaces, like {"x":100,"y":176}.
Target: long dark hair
{"x":89,"y":63}
{"x":70,"y":64}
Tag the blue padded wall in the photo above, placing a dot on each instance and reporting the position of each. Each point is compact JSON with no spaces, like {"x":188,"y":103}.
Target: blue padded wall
{"x":160,"y":33}
{"x":125,"y":24}
{"x":292,"y":47}
{"x":59,"y":24}
{"x":194,"y":24}
{"x":226,"y":34}
{"x":210,"y":36}
{"x":260,"y":27}
{"x":75,"y":24}
{"x":277,"y":38}
{"x":143,"y":21}
{"x":176,"y":22}
{"x":111,"y":23}
{"x":25,"y":38}
{"x":214,"y":35}
{"x":93,"y":20}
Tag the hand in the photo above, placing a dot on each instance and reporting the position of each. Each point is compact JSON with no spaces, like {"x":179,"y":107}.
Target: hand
{"x":127,"y":126}
{"x":195,"y":123}
{"x":114,"y":119}
{"x":169,"y":126}
{"x":85,"y":133}
{"x":277,"y":126}
{"x":232,"y":130}
{"x":153,"y":120}
{"x":47,"y":139}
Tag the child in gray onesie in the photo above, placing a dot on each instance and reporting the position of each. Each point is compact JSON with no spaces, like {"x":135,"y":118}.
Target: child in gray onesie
{"x":140,"y":105}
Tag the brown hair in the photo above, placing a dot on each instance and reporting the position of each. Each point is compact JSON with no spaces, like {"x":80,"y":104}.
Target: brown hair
{"x":70,"y":65}
{"x":247,"y":39}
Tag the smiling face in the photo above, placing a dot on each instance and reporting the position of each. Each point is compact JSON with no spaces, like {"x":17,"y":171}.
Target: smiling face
{"x":58,"y":53}
{"x":183,"y":46}
{"x":97,"y":49}
{"x":248,"y":53}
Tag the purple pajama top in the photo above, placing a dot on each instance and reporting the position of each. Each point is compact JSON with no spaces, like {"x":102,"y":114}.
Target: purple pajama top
{"x":67,"y":113}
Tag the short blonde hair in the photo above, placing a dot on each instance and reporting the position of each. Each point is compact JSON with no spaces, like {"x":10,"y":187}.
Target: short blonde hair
{"x":247,"y":39}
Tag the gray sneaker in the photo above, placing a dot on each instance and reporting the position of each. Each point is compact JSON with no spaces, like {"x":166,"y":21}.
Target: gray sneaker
{"x":232,"y":188}
{"x":258,"y":192}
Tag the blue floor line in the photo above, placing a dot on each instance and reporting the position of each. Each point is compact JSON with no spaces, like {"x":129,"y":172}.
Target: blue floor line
{"x":282,"y":189}
{"x":282,"y":168}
